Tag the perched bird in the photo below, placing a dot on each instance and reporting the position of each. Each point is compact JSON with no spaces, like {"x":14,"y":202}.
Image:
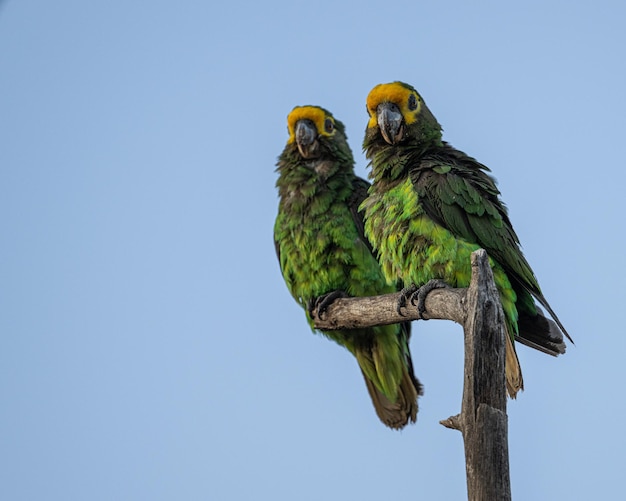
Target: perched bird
{"x":323,"y":254}
{"x":430,"y":206}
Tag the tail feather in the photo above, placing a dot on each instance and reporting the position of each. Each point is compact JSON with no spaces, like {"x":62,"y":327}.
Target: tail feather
{"x":541,"y":333}
{"x":560,"y":327}
{"x":387,"y":368}
{"x":512,"y":369}
{"x":397,"y":414}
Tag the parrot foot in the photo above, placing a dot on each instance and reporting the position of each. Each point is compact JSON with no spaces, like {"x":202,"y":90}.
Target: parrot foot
{"x":418,"y":297}
{"x":319,"y":305}
{"x":405,"y":295}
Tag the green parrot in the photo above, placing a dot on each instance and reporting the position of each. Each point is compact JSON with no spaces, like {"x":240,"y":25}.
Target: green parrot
{"x":324,"y":254}
{"x":430,"y":206}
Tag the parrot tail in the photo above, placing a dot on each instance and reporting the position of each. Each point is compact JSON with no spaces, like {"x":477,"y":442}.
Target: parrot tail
{"x":397,"y":414}
{"x":512,"y":369}
{"x":541,"y":333}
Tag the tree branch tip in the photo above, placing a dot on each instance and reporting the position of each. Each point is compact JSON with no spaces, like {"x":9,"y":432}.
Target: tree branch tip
{"x":453,"y":422}
{"x":477,"y":256}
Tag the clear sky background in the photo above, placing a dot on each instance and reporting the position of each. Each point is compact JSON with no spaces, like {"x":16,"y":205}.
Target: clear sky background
{"x":148,"y":346}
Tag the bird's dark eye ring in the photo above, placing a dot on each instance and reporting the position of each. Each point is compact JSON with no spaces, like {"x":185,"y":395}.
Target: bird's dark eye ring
{"x":329,"y":126}
{"x":412,"y":102}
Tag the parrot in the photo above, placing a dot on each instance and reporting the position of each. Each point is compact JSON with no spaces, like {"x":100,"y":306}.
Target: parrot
{"x":323,"y":254}
{"x":430,"y":206}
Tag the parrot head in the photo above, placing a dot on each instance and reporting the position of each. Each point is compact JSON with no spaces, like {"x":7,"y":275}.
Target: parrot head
{"x":398,"y":113}
{"x":315,"y":132}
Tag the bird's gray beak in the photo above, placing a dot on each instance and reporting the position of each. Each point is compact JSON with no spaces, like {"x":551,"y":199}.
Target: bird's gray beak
{"x":390,"y":122}
{"x":306,"y":138}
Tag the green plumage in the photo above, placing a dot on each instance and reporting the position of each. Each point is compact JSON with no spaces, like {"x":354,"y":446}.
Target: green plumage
{"x":321,"y":248}
{"x":430,"y":206}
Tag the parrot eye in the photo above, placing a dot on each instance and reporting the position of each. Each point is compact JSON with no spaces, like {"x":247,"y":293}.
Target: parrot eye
{"x":329,"y":126}
{"x":412,"y":102}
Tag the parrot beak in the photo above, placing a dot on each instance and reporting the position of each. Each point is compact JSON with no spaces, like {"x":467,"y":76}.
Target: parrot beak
{"x":306,"y":138}
{"x":390,"y":122}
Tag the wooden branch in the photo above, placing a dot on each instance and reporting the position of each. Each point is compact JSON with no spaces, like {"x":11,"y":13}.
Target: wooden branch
{"x":483,"y":419}
{"x":359,"y":312}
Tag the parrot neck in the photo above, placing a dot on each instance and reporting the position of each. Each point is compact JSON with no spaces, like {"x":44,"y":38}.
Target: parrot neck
{"x":302,"y":181}
{"x":391,"y":162}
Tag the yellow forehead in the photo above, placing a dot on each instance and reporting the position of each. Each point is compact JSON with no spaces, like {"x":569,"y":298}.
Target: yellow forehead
{"x":316,"y":115}
{"x":395,"y":93}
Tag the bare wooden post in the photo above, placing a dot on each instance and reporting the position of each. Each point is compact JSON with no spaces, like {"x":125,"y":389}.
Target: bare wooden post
{"x":483,"y":419}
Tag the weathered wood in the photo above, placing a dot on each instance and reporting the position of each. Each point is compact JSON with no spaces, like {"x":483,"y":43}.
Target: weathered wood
{"x":483,"y":419}
{"x":358,"y":312}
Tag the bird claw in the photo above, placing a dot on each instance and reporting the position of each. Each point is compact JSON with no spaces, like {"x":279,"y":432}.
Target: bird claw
{"x":319,"y":305}
{"x":405,"y":295}
{"x":418,"y":297}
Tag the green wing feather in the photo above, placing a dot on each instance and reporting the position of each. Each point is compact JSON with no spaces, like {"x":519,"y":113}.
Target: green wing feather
{"x":458,"y":194}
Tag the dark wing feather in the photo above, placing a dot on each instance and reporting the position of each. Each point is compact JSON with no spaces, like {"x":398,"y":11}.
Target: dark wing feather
{"x":457,"y":193}
{"x":359,"y":194}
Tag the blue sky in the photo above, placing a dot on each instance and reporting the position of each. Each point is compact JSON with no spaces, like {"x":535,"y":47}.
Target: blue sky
{"x":148,"y":346}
